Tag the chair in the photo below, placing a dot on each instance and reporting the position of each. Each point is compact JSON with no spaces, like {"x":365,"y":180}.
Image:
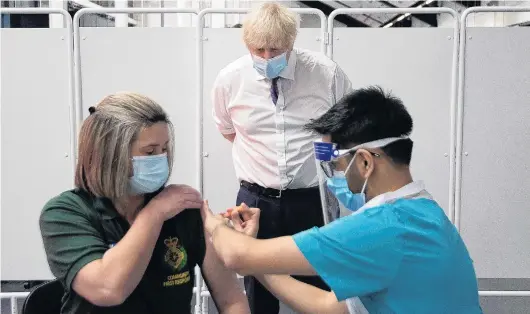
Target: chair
{"x":44,"y":299}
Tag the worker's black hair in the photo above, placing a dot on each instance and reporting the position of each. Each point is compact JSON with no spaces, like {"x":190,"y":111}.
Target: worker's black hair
{"x":365,"y":115}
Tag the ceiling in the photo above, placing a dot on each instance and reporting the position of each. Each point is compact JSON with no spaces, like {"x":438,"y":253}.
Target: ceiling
{"x":383,"y":19}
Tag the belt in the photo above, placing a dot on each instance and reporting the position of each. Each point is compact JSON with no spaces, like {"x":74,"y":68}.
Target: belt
{"x":270,"y":192}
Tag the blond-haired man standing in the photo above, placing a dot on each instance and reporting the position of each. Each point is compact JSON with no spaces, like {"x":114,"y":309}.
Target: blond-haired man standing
{"x":261,"y":103}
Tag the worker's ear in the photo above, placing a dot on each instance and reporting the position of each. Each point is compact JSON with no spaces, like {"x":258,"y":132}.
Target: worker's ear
{"x":364,"y":163}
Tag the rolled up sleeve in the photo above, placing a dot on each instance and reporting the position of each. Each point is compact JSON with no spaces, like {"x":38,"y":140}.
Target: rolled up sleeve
{"x":341,"y":84}
{"x":70,"y":241}
{"x":220,"y":100}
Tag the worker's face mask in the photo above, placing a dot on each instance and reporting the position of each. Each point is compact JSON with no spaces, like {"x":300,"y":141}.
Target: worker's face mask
{"x":150,"y":173}
{"x":270,"y":68}
{"x":336,"y":181}
{"x":339,"y":187}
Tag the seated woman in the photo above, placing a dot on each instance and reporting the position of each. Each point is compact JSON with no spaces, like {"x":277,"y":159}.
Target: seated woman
{"x":122,"y":241}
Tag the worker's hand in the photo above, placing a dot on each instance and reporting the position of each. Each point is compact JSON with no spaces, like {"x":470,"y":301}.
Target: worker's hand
{"x":245,"y":219}
{"x":211,"y":220}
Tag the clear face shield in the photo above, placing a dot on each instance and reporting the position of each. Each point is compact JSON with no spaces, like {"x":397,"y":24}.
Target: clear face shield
{"x":324,"y":154}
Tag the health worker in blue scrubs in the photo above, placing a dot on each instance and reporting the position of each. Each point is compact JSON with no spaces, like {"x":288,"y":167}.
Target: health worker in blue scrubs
{"x":396,"y":253}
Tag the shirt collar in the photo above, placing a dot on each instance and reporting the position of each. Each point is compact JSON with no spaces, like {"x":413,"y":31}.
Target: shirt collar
{"x":288,"y":72}
{"x":412,"y":190}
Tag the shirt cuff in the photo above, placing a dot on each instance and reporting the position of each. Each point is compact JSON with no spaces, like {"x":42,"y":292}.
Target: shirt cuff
{"x":76,"y":267}
{"x":226,"y":131}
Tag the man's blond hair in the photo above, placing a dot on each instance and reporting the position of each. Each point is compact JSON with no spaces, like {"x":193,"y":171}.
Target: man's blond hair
{"x":272,"y":25}
{"x":105,"y":142}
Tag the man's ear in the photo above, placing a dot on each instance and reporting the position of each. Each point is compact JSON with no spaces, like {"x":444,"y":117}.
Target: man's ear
{"x":365,"y":163}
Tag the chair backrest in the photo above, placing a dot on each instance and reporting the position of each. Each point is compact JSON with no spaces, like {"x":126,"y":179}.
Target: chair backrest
{"x":44,"y":299}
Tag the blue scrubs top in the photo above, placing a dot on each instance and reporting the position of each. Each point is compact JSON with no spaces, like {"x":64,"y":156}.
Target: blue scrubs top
{"x":402,"y":257}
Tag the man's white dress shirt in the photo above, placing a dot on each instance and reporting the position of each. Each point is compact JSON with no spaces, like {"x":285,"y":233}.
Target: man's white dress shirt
{"x":271,"y":147}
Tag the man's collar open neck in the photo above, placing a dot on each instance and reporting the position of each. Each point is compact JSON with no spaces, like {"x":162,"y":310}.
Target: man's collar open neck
{"x":388,"y":185}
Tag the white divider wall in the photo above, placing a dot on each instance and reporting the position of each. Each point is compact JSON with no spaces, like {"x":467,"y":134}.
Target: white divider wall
{"x":492,"y":192}
{"x":156,"y":62}
{"x":496,"y":144}
{"x":220,"y":47}
{"x":418,"y":66}
{"x":37,"y":159}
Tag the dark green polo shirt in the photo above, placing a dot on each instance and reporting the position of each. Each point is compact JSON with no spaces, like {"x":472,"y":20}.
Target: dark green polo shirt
{"x":77,"y":229}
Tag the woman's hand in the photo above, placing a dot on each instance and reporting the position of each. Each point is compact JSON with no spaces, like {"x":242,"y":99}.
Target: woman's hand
{"x":174,"y":199}
{"x":245,"y":219}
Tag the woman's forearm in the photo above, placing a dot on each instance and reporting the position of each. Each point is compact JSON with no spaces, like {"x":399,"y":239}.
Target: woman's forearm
{"x":125,"y":264}
{"x":302,"y":297}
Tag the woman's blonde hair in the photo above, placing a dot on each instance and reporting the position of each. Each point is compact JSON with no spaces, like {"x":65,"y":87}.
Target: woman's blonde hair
{"x":271,"y":26}
{"x":105,"y":142}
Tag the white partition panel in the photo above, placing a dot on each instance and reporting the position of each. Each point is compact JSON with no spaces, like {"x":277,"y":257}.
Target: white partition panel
{"x":37,"y":161}
{"x":220,"y":47}
{"x":492,"y":182}
{"x":415,"y":65}
{"x":156,"y":62}
{"x":495,"y":177}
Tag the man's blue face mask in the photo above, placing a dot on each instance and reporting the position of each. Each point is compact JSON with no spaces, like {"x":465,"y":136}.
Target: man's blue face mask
{"x":150,"y":173}
{"x":339,"y":187}
{"x":270,"y":68}
{"x":338,"y":184}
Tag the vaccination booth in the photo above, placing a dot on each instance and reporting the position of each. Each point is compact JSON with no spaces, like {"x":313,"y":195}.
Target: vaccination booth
{"x":467,"y":89}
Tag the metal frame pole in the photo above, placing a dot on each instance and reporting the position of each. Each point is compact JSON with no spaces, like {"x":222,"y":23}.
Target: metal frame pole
{"x":13,"y":296}
{"x":504,"y":293}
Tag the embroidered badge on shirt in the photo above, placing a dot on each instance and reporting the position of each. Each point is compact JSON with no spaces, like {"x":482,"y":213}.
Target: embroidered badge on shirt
{"x":177,"y":258}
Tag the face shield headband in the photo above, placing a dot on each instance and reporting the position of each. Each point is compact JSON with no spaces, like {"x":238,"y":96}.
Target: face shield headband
{"x":328,"y":154}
